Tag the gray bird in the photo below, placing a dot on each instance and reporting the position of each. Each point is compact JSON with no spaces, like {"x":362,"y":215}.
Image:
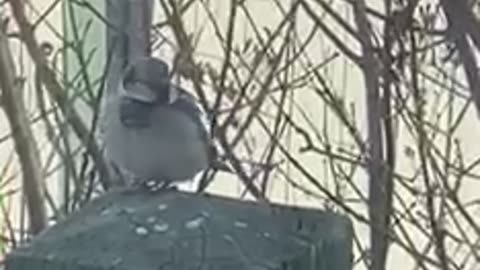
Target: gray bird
{"x":155,"y":131}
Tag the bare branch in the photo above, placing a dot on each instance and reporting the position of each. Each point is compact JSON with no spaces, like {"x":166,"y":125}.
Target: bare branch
{"x":55,"y":89}
{"x":24,"y":141}
{"x":379,"y":201}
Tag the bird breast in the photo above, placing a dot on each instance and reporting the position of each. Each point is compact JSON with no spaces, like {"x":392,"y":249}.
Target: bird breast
{"x":170,"y":147}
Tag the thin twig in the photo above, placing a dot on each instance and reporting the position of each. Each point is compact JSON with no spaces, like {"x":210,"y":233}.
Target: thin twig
{"x":23,"y":138}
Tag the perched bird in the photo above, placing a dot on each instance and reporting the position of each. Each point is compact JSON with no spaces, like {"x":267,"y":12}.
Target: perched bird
{"x":155,"y":131}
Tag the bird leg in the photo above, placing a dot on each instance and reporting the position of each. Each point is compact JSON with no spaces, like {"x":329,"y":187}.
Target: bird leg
{"x":158,"y":186}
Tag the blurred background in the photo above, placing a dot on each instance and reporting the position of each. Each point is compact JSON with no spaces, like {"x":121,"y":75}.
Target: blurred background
{"x":367,"y":108}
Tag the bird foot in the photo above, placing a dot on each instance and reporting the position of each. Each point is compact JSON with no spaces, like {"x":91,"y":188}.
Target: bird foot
{"x":156,"y":186}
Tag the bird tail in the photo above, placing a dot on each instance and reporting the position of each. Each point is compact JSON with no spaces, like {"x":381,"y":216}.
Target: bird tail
{"x":220,"y":166}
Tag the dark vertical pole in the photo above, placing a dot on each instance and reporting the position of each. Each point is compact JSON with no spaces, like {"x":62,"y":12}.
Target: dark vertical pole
{"x":128,"y":37}
{"x":117,"y":16}
{"x":139,"y":29}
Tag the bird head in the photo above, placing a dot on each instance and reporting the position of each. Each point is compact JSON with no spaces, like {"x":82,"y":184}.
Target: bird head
{"x":147,"y":80}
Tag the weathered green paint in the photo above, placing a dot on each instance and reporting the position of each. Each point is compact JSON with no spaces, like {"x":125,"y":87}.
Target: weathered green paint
{"x":83,"y":67}
{"x":84,"y":24}
{"x":175,"y":230}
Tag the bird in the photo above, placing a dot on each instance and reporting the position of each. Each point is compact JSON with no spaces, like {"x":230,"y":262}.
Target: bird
{"x":155,"y":132}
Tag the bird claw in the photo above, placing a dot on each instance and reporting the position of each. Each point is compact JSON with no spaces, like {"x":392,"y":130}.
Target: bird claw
{"x":156,"y":186}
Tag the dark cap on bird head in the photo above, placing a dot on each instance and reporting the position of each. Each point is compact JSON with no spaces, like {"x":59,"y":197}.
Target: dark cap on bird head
{"x":147,"y":79}
{"x":150,"y":71}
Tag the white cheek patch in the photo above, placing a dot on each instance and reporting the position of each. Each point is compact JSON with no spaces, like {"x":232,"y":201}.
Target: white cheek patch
{"x":138,"y":91}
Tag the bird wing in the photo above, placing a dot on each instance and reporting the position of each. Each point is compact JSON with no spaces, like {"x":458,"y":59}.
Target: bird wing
{"x":187,"y":103}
